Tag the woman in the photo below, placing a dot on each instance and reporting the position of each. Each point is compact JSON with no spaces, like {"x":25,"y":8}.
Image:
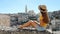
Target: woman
{"x":43,"y":20}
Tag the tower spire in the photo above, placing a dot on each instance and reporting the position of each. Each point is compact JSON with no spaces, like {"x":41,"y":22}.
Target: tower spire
{"x":26,"y":8}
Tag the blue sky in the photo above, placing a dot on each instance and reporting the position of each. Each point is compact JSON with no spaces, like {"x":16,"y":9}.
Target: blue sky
{"x":15,"y":6}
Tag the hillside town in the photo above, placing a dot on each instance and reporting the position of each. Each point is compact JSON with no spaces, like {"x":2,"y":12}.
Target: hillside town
{"x":29,"y":17}
{"x":11,"y":21}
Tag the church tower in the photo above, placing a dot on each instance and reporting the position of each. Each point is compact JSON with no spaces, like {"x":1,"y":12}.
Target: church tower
{"x":26,"y":8}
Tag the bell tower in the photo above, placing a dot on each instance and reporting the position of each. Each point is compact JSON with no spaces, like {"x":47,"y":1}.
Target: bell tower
{"x":26,"y":8}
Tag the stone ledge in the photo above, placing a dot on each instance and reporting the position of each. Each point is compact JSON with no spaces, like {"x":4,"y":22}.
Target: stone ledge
{"x":24,"y":31}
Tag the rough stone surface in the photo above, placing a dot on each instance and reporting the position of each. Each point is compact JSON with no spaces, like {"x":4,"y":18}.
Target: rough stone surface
{"x":24,"y":32}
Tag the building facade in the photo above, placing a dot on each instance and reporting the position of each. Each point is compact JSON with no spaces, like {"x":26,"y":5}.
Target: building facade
{"x":55,"y":24}
{"x":4,"y":20}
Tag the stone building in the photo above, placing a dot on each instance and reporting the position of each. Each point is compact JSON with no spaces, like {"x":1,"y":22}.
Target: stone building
{"x":17,"y":19}
{"x":13,"y":19}
{"x":22,"y":17}
{"x":31,"y":13}
{"x":4,"y":20}
{"x":55,"y":24}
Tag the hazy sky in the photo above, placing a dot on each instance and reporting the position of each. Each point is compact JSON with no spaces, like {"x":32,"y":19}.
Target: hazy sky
{"x":15,"y":6}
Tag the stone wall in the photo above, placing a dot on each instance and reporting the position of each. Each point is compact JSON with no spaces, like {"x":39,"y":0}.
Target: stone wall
{"x":24,"y":32}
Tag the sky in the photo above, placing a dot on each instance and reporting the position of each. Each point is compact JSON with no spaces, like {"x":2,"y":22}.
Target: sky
{"x":18,"y":6}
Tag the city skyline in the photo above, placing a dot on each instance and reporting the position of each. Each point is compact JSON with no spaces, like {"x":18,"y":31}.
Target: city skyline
{"x":17,"y":6}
